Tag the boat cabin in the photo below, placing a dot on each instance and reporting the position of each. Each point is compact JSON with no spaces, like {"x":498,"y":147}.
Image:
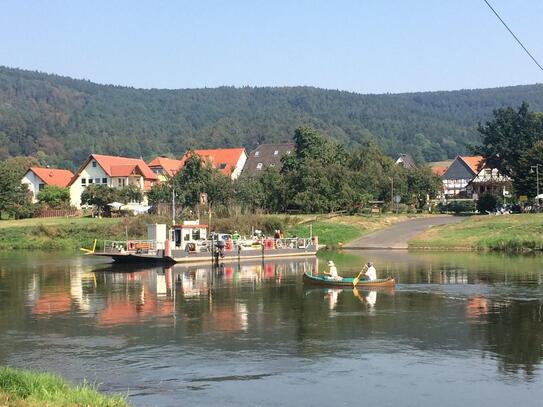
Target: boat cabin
{"x":188,"y":235}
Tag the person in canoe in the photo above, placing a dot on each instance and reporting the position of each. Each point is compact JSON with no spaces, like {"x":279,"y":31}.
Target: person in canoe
{"x":370,"y":272}
{"x":332,"y":273}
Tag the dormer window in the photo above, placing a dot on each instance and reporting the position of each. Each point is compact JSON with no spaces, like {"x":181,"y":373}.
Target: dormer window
{"x":276,"y":152}
{"x":222,"y":166}
{"x":257,"y":153}
{"x":259,"y":166}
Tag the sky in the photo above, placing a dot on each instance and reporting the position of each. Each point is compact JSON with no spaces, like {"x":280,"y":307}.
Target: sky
{"x":364,"y":46}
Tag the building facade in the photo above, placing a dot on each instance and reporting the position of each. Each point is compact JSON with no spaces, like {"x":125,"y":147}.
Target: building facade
{"x":229,"y":161}
{"x":37,"y":178}
{"x":115,"y":172}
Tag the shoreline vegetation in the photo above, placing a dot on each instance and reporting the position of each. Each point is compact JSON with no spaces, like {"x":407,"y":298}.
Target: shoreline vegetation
{"x":69,"y":234}
{"x":24,"y":388}
{"x":515,"y":233}
{"x":508,"y":233}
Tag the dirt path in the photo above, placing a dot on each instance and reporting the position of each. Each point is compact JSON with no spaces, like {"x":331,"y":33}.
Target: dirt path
{"x":397,"y":236}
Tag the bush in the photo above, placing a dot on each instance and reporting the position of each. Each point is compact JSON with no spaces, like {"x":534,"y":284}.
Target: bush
{"x":457,"y":207}
{"x":487,"y":203}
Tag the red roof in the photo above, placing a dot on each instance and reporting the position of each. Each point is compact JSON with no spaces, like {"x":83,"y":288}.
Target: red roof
{"x":439,"y":170}
{"x":169,"y":165}
{"x":53,"y":176}
{"x":223,"y":159}
{"x":115,"y":166}
{"x":474,"y":162}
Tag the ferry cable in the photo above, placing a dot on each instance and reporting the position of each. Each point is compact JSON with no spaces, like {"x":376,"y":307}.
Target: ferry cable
{"x":513,"y":34}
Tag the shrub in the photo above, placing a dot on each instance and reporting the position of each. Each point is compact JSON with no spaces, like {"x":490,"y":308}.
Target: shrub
{"x":487,"y":203}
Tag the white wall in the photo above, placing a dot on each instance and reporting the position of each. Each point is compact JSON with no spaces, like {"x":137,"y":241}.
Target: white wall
{"x":239,"y":166}
{"x":88,"y":172}
{"x":33,"y":182}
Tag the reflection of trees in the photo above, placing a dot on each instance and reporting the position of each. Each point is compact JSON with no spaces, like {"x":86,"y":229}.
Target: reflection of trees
{"x":514,"y":331}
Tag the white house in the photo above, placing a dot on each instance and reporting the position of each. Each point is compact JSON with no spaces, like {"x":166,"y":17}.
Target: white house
{"x":116,"y":172}
{"x":37,"y":178}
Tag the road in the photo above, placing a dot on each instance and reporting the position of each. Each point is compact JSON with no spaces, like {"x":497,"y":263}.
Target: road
{"x":397,"y":236}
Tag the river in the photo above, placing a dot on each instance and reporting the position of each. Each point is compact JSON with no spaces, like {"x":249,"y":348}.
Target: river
{"x":459,"y":328}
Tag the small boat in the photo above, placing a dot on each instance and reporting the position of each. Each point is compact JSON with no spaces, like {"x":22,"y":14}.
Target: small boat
{"x":348,"y":281}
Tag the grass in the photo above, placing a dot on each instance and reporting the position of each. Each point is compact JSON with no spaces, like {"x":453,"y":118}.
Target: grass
{"x":68,"y":233}
{"x":514,"y":233}
{"x":23,"y":388}
{"x":73,"y":233}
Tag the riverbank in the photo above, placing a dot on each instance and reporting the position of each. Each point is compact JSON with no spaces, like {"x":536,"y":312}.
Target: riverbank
{"x":72,"y":233}
{"x":21,"y":388}
{"x":509,"y":233}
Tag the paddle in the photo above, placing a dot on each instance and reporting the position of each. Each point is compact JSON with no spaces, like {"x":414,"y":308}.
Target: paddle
{"x":355,"y":280}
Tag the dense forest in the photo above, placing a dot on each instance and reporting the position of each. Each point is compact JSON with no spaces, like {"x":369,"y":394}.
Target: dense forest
{"x":61,"y":120}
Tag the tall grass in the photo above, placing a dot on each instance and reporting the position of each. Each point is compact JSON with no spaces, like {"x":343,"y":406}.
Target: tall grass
{"x":26,"y":388}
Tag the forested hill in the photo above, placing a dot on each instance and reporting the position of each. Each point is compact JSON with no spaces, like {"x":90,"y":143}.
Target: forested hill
{"x":62,"y":120}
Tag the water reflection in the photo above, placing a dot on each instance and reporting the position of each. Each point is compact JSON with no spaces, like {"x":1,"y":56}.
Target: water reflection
{"x":117,"y":321}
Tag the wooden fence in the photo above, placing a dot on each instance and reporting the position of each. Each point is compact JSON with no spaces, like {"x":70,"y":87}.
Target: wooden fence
{"x":54,"y":213}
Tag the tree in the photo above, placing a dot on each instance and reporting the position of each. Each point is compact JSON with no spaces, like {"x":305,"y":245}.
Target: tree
{"x":508,"y":136}
{"x":99,"y":195}
{"x":129,"y":193}
{"x":15,"y":198}
{"x":54,"y":196}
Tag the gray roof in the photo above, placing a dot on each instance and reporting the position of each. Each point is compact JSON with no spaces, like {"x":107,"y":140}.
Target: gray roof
{"x":265,"y":156}
{"x":458,"y":170}
{"x":406,"y":160}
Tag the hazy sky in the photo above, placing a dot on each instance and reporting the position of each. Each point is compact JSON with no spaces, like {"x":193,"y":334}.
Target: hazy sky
{"x":362,"y":46}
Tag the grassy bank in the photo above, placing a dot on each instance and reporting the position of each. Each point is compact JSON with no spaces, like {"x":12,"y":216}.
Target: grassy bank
{"x":514,"y":233}
{"x":68,"y":233}
{"x":73,"y":233}
{"x":21,"y":388}
{"x":337,"y":230}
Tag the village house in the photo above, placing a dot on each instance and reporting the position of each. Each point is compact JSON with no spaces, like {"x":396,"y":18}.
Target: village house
{"x":37,"y":178}
{"x":164,"y":167}
{"x":229,"y":161}
{"x":266,"y":156}
{"x":406,"y":161}
{"x":459,"y":174}
{"x":116,"y":172}
{"x":489,"y":180}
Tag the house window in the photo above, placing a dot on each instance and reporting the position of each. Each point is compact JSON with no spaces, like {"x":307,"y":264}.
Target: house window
{"x":90,"y":180}
{"x":41,"y":186}
{"x":83,"y":181}
{"x":259,"y":166}
{"x":94,"y":164}
{"x":257,"y":153}
{"x":120,"y":182}
{"x":104,"y":180}
{"x":276,"y":152}
{"x":222,"y":166}
{"x":96,"y":180}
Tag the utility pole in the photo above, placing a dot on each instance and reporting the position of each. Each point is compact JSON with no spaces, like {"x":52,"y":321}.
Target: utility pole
{"x":392,"y":194}
{"x":536,"y":176}
{"x":173,"y":206}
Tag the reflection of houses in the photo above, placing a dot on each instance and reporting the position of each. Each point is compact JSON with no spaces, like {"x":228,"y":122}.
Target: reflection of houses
{"x":266,"y":156}
{"x":37,"y":178}
{"x":116,"y":172}
{"x":165,"y":167}
{"x":406,"y":161}
{"x":229,"y":161}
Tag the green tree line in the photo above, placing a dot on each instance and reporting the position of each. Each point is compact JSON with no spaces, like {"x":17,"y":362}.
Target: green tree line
{"x":60,"y":120}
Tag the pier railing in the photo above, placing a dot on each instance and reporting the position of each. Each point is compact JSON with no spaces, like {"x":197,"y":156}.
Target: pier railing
{"x":129,"y":246}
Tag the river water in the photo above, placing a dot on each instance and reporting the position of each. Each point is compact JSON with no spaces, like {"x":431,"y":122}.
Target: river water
{"x":458,"y":328}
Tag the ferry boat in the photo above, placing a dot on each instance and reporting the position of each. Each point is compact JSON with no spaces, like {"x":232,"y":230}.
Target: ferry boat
{"x":190,"y":243}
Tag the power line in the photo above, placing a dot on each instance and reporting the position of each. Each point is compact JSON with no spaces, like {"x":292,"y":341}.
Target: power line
{"x":513,"y":34}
